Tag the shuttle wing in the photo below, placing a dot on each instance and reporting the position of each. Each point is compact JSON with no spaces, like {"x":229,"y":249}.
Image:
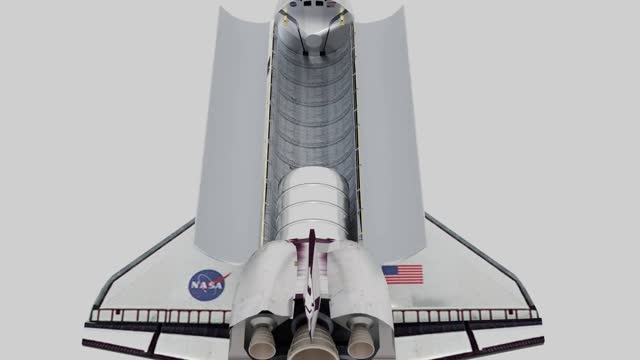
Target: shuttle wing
{"x":173,"y":302}
{"x":452,"y":301}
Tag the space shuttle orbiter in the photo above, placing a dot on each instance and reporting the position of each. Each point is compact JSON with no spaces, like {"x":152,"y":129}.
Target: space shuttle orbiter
{"x":311,"y":241}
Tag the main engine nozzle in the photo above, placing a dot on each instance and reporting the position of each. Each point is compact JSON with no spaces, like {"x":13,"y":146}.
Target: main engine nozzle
{"x":321,"y":348}
{"x":262,"y":345}
{"x":360,"y":343}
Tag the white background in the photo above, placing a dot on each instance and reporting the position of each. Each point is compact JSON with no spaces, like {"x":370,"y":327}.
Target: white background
{"x":527,"y":115}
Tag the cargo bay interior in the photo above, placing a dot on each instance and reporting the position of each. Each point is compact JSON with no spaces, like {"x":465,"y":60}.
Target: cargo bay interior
{"x":312,"y":114}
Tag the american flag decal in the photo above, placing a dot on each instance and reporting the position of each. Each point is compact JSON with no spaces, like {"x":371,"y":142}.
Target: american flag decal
{"x":403,"y":274}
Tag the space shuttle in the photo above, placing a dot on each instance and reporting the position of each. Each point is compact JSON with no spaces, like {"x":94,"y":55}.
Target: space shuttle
{"x":311,"y":241}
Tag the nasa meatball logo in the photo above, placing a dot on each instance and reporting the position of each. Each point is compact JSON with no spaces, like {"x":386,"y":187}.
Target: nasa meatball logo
{"x":207,"y":285}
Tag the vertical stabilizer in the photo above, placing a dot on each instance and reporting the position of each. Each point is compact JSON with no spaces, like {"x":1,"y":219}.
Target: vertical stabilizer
{"x":312,"y":291}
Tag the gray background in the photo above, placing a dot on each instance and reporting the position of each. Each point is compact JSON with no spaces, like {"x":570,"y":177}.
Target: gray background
{"x":527,"y":117}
